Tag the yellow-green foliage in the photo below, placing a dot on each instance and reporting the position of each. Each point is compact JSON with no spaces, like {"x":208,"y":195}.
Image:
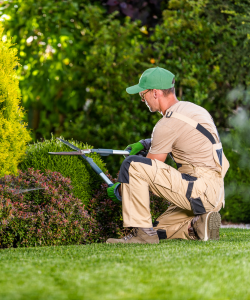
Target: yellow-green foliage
{"x":13,"y":133}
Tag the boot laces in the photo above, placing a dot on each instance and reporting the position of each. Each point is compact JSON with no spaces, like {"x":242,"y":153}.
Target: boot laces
{"x":129,"y":236}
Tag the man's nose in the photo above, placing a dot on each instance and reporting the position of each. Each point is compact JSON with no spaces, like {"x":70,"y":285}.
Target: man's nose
{"x":142,"y":100}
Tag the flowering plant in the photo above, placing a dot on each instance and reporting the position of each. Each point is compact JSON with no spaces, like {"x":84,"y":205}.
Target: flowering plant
{"x":50,"y":215}
{"x":38,"y":209}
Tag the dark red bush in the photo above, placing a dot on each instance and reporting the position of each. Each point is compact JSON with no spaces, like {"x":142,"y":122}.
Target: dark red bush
{"x":49,"y":216}
{"x":53,"y":216}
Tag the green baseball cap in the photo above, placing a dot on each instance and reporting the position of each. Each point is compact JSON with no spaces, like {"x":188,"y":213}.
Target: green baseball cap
{"x":153,"y":78}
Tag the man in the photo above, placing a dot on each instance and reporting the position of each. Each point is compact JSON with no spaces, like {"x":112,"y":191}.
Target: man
{"x":196,"y":190}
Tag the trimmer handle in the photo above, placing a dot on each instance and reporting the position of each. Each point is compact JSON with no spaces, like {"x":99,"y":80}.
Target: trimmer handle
{"x":143,"y":153}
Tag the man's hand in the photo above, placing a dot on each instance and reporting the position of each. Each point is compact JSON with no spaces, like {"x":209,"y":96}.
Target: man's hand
{"x":135,"y":148}
{"x":114,"y":192}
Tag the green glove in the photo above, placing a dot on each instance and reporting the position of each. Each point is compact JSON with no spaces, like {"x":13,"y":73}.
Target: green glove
{"x":135,"y":148}
{"x":112,"y":192}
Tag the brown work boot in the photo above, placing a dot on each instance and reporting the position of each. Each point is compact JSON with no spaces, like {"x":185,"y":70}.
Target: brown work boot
{"x":138,"y":236}
{"x":207,"y":227}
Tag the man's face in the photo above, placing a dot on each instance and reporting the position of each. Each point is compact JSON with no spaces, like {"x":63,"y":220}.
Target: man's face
{"x":150,"y":101}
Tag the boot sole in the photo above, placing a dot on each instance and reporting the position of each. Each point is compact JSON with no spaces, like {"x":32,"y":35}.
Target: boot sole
{"x":212,"y":230}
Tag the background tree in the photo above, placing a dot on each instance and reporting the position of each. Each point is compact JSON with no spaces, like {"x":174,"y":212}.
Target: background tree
{"x":77,"y":59}
{"x":237,"y":149}
{"x":77,"y":62}
{"x":13,"y":132}
{"x":206,"y":44}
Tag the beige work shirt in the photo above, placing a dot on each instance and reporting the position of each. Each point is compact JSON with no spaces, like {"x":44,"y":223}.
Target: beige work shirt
{"x":184,"y":141}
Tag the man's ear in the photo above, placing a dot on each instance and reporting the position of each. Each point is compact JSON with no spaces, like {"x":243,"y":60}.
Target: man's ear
{"x":155,"y":93}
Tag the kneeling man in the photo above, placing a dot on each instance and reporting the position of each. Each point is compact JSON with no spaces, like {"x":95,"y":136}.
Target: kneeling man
{"x":188,"y":134}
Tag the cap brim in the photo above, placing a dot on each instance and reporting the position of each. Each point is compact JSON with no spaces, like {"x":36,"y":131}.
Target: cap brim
{"x":134,"y":89}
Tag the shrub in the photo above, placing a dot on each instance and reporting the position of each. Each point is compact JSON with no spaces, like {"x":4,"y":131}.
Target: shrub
{"x":50,"y":216}
{"x":237,"y":188}
{"x":237,"y":150}
{"x":83,"y":179}
{"x":13,"y":133}
{"x":108,"y":214}
{"x":53,"y":216}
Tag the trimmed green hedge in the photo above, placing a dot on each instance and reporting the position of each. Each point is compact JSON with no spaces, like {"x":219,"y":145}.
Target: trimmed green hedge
{"x":83,"y":179}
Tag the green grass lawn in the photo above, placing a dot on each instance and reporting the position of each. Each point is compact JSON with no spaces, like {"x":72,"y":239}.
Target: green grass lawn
{"x":170,"y":270}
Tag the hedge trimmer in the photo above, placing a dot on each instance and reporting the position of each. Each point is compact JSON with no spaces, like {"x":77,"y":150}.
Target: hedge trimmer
{"x":82,"y":153}
{"x":102,"y":152}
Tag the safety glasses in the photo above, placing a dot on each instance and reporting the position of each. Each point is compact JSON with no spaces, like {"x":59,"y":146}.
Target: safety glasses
{"x":142,"y":95}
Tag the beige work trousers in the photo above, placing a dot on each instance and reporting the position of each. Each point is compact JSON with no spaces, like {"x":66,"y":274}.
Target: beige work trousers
{"x":167,"y":182}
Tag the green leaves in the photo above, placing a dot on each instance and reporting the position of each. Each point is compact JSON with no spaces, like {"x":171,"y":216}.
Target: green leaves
{"x":14,"y":135}
{"x":77,"y":61}
{"x":48,"y":216}
{"x":237,"y":149}
{"x":84,"y":180}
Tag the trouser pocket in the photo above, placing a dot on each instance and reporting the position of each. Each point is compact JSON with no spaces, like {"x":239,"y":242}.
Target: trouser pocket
{"x":215,"y":193}
{"x":168,"y":177}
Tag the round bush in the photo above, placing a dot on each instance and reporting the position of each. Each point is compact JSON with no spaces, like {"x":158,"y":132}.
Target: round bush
{"x":45,"y":217}
{"x":83,"y":179}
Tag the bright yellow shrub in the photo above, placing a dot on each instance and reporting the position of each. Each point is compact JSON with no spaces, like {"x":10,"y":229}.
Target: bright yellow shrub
{"x":13,"y":132}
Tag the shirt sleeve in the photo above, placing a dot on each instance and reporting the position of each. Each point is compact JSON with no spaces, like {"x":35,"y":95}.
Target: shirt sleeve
{"x":146,"y":143}
{"x":162,"y":139}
